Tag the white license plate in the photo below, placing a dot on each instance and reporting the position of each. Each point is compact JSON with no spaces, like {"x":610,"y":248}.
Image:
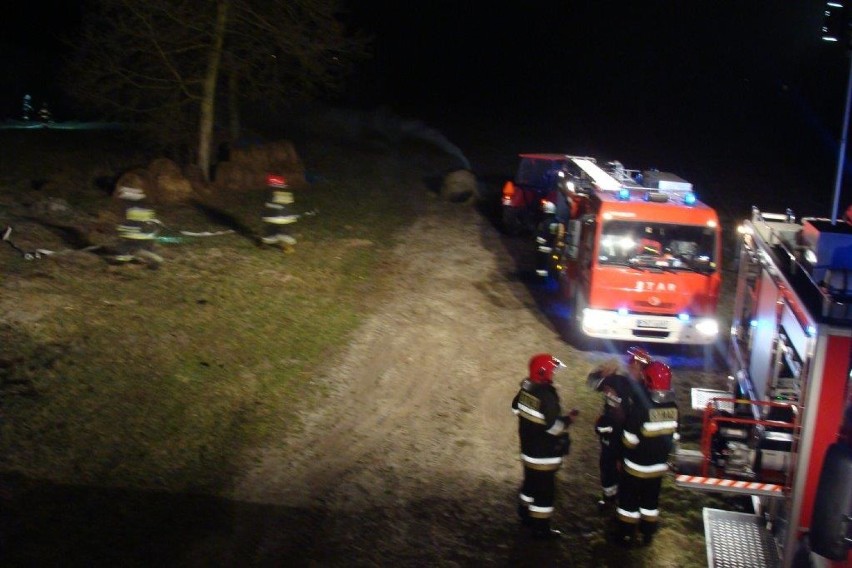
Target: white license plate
{"x":653,"y":324}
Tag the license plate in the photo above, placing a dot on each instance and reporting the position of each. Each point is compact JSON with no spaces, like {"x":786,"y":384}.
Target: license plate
{"x":653,"y":324}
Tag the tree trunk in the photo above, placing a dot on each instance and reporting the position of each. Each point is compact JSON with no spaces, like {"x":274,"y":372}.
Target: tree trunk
{"x":208,"y":97}
{"x":234,"y":105}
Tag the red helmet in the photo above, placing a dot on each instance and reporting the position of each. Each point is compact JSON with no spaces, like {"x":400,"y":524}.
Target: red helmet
{"x":658,"y":376}
{"x":638,"y":355}
{"x":542,"y":367}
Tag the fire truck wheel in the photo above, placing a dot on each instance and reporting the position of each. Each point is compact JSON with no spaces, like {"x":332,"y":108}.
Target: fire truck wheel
{"x":833,"y":503}
{"x":580,"y":340}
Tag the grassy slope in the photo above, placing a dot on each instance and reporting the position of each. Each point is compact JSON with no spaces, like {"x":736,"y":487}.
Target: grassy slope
{"x":140,"y":378}
{"x":125,"y":380}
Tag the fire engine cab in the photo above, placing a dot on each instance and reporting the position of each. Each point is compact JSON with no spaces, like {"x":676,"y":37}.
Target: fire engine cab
{"x":639,"y":257}
{"x":782,"y":434}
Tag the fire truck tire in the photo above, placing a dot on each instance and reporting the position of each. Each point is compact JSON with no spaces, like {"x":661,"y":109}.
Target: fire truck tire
{"x":578,"y":337}
{"x":833,"y":503}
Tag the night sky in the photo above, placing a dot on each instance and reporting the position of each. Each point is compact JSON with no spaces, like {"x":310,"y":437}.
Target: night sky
{"x":694,"y":83}
{"x":693,"y":86}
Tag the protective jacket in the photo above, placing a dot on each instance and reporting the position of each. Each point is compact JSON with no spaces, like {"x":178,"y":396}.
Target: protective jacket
{"x":649,"y":434}
{"x":542,"y":428}
{"x":617,"y":393}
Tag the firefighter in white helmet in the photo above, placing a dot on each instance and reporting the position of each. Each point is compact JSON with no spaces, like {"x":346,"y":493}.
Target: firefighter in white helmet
{"x":648,"y":438}
{"x":139,"y":229}
{"x":617,"y":387}
{"x":278,"y":214}
{"x":544,"y":441}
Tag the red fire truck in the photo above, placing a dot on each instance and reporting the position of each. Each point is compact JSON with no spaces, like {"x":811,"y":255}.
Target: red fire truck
{"x":640,"y":258}
{"x":782,"y":434}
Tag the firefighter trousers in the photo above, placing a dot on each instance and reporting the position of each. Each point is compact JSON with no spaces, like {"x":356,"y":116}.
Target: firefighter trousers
{"x":537,"y":497}
{"x":638,"y":504}
{"x":609,"y":464}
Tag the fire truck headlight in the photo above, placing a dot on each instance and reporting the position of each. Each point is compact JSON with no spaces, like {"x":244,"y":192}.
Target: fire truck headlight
{"x":708,"y":327}
{"x":598,"y":320}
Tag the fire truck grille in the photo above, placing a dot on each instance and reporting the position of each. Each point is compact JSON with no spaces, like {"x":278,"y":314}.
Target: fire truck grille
{"x":644,"y":305}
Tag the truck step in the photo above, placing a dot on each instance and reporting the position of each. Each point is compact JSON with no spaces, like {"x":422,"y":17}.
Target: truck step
{"x":738,"y":540}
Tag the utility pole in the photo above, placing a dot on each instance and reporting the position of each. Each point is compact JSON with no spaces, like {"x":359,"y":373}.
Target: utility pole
{"x":836,"y":29}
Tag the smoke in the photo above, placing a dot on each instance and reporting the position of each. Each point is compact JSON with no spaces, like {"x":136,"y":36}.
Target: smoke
{"x":421,"y":131}
{"x":383,"y":125}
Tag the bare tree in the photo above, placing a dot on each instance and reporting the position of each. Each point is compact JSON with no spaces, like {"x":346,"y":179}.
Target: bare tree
{"x":165,"y":64}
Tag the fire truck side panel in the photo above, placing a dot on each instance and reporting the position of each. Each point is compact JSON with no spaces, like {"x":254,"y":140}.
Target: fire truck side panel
{"x":824,"y":402}
{"x":763,"y":336}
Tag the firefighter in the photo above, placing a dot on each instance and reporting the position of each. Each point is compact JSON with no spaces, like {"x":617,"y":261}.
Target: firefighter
{"x":545,"y":239}
{"x":648,"y":437}
{"x":278,"y":214}
{"x":617,"y":390}
{"x":27,"y":110}
{"x":544,"y":441}
{"x":138,"y":230}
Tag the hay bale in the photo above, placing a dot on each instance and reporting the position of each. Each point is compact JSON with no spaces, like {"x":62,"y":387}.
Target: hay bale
{"x":238,"y":155}
{"x":228,"y":176}
{"x":163,"y":166}
{"x":258,"y":157}
{"x":200,"y":186}
{"x":458,"y":186}
{"x":283,"y":155}
{"x":172,"y":187}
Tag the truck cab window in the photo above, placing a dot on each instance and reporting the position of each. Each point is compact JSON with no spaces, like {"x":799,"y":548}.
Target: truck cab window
{"x":642,"y":244}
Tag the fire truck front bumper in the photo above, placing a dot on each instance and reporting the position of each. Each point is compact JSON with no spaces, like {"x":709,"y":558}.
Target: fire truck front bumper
{"x":622,"y":326}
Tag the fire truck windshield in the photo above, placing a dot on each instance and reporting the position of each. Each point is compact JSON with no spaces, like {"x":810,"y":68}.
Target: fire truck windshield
{"x":657,"y":245}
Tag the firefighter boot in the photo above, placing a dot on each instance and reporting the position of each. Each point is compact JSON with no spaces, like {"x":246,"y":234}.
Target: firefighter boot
{"x":606,"y":503}
{"x":647,"y":529}
{"x":541,"y":530}
{"x":524,"y":515}
{"x":624,"y":534}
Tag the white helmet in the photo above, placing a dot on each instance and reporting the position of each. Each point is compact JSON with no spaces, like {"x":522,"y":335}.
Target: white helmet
{"x":130,"y":193}
{"x":548,"y":207}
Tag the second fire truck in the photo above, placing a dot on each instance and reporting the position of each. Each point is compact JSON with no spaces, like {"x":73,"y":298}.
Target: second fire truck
{"x":639,"y":257}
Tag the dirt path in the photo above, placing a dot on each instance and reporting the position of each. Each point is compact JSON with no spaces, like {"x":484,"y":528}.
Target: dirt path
{"x":413,"y":458}
{"x":420,"y":405}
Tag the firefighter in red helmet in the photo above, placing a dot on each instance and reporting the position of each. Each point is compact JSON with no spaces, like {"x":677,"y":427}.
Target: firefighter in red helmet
{"x":648,"y":437}
{"x":615,"y":385}
{"x":544,"y":441}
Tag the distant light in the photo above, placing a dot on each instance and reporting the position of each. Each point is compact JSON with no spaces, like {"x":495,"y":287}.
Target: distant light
{"x":689,"y":199}
{"x":712,"y":224}
{"x":683,"y":317}
{"x":624,"y":194}
{"x":811,"y":330}
{"x":623,"y":311}
{"x":834,"y":4}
